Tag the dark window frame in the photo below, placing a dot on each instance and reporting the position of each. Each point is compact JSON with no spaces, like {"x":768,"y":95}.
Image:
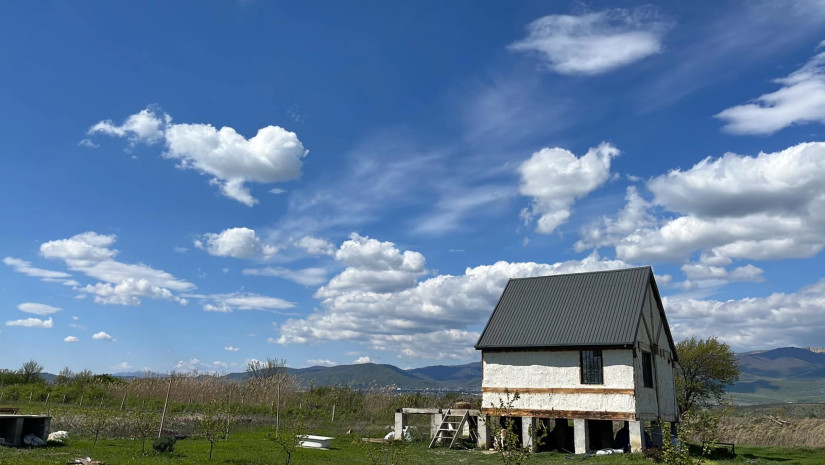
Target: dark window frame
{"x":591,"y":366}
{"x":647,"y":369}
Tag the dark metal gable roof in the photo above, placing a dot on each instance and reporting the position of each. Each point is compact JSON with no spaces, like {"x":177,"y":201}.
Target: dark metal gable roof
{"x":583,"y":309}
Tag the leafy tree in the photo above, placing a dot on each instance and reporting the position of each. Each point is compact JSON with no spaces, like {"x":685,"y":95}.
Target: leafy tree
{"x":65,"y":376}
{"x":144,"y":424}
{"x":507,"y":440}
{"x":9,"y":377}
{"x":97,"y":420}
{"x":289,"y":437}
{"x":212,"y":424}
{"x":706,"y":367}
{"x":31,"y":372}
{"x":271,"y":368}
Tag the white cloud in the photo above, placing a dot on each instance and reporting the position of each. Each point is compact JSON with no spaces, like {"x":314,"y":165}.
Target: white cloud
{"x":446,"y":344}
{"x":32,"y":323}
{"x":373,"y":266}
{"x":125,"y":284}
{"x":594,"y":43}
{"x":219,"y":364}
{"x":123,"y":366}
{"x":237,"y":243}
{"x":458,"y":204}
{"x":800,"y":100}
{"x":38,"y":309}
{"x":321,"y":362}
{"x":102,"y":336}
{"x":231,"y":348}
{"x":385,"y":319}
{"x":608,"y":231}
{"x":145,"y":126}
{"x":227,"y":303}
{"x":554,"y":178}
{"x":767,"y":207}
{"x":88,"y":143}
{"x":700,"y":275}
{"x":363,"y":359}
{"x":305,"y":276}
{"x":71,"y":339}
{"x":189,"y":365}
{"x":272,"y":155}
{"x":26,"y":268}
{"x":777,"y":320}
{"x":316,"y":246}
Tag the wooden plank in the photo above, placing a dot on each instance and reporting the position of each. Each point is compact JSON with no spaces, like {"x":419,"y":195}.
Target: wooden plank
{"x":498,"y":390}
{"x":570,"y":414}
{"x":423,"y":411}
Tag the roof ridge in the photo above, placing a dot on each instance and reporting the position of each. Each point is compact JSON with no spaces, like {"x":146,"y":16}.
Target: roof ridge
{"x":585,"y":272}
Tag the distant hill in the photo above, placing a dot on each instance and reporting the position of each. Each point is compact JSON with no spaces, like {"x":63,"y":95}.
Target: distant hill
{"x":786,"y":374}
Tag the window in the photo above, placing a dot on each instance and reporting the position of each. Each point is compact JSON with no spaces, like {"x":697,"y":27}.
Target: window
{"x":647,"y":369}
{"x":591,"y":367}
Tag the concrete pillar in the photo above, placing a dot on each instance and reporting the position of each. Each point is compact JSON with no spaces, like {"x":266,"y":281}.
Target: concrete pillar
{"x":580,"y":435}
{"x":484,"y":432}
{"x":637,"y":431}
{"x":528,"y":433}
{"x":435,"y":423}
{"x":400,"y":423}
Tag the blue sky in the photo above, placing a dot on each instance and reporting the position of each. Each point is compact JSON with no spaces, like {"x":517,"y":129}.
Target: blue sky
{"x":191,"y":185}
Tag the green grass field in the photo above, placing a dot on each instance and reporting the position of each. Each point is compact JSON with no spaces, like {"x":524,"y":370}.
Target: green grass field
{"x":251,"y":447}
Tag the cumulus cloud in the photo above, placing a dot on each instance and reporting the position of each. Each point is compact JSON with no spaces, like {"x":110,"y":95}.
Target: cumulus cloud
{"x":761,"y":208}
{"x":32,"y":323}
{"x":272,"y":155}
{"x":26,"y":268}
{"x":315,"y":245}
{"x":38,"y":309}
{"x":608,"y":231}
{"x":701,"y":275}
{"x":231,"y":348}
{"x":320,"y":362}
{"x":71,"y":339}
{"x":363,"y":359}
{"x":145,"y":126}
{"x":594,"y":43}
{"x":392,"y":319}
{"x":92,"y":254}
{"x":800,"y":100}
{"x":237,"y":243}
{"x":226,"y":303}
{"x":765,"y":207}
{"x":305,"y":276}
{"x":776,"y":320}
{"x":554,"y":178}
{"x":102,"y":336}
{"x":446,"y":344}
{"x":373,"y":266}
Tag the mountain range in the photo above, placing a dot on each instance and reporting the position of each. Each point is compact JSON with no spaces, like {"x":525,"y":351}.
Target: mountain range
{"x":787,"y":374}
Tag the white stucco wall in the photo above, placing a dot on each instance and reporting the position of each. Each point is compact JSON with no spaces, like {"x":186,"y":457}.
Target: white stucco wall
{"x":522,"y":371}
{"x":659,"y":401}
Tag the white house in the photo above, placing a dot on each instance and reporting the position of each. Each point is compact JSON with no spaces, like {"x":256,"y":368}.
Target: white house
{"x":589,"y":347}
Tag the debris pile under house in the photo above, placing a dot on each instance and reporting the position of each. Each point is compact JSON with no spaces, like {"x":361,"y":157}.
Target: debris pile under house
{"x":591,"y":349}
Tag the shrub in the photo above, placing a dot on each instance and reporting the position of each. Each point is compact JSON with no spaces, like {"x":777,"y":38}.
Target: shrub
{"x":164,"y":444}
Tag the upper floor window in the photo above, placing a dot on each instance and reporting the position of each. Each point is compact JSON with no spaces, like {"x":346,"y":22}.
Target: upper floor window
{"x":647,"y":369}
{"x":592,"y":367}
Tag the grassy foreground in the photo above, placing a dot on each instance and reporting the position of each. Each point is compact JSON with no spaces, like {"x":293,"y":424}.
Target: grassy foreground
{"x":251,"y":447}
